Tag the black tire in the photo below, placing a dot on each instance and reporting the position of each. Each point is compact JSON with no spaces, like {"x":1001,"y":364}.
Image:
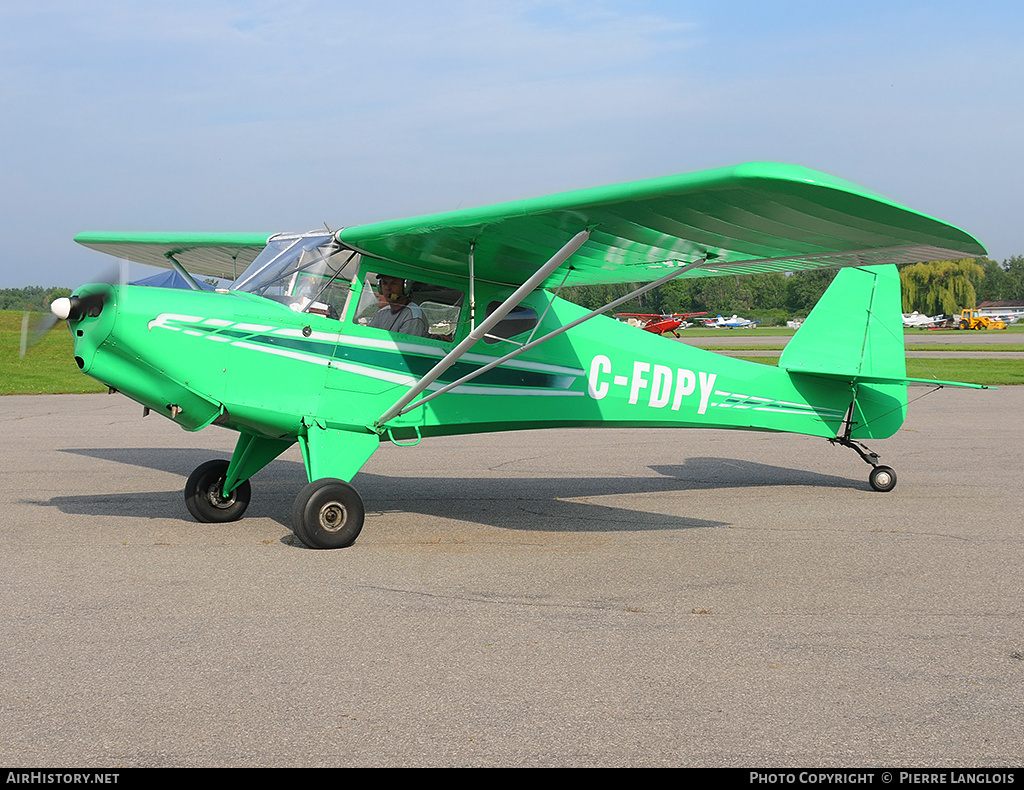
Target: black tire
{"x":203,"y":495}
{"x":328,"y":514}
{"x":882,"y":478}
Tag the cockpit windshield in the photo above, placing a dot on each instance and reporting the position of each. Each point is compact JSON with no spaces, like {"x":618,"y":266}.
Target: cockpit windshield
{"x":310,"y":273}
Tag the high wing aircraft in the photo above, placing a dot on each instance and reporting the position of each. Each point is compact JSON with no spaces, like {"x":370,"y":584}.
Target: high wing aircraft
{"x":451,"y":324}
{"x":657,"y":323}
{"x":731,"y":323}
{"x":1006,"y":316}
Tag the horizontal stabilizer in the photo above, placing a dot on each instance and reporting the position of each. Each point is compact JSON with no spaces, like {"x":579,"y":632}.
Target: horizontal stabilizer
{"x":856,"y":379}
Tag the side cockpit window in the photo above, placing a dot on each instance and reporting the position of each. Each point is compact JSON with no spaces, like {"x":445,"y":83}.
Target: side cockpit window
{"x":521,"y":319}
{"x":409,"y":307}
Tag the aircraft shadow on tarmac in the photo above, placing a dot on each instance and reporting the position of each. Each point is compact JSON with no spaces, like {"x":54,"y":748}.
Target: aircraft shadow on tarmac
{"x":548,"y":504}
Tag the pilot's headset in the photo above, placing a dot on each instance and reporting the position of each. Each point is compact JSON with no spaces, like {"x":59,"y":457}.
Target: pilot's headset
{"x":406,"y":286}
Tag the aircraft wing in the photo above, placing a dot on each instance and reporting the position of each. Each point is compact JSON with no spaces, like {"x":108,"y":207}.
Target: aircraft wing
{"x":746,"y":219}
{"x":222,"y":255}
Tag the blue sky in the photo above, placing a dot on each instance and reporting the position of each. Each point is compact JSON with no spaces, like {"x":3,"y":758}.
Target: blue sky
{"x":270,"y":116}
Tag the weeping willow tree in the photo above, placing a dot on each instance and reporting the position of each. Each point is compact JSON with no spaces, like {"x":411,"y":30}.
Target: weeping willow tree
{"x":940,"y":286}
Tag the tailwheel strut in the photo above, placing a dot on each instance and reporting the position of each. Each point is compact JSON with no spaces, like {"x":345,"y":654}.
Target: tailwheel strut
{"x":882,"y":478}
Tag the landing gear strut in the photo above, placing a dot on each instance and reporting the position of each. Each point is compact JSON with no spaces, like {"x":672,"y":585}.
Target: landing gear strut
{"x":882,"y":478}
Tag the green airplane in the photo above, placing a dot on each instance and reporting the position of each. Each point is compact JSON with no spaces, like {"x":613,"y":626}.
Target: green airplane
{"x":451,"y":324}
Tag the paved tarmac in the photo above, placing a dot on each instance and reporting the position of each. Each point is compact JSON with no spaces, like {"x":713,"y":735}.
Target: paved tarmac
{"x":559,"y":598}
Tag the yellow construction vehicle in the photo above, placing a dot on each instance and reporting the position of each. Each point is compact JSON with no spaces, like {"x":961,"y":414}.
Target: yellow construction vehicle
{"x":972,"y":319}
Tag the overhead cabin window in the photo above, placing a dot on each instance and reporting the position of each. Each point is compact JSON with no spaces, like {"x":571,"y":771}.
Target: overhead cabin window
{"x":409,"y":307}
{"x":311,"y":273}
{"x":521,"y":319}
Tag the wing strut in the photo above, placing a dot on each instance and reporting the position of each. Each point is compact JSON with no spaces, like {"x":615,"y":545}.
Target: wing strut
{"x":486,"y":325}
{"x":550,"y":335}
{"x":472,"y":285}
{"x":181,"y":270}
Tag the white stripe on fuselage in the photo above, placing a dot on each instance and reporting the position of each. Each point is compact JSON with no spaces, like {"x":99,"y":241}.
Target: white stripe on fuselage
{"x":168,"y":321}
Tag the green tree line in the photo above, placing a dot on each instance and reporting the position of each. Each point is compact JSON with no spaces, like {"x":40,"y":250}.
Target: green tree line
{"x":949,"y":286}
{"x":935,"y":287}
{"x":34,"y":298}
{"x":769,"y":297}
{"x":1003,"y":281}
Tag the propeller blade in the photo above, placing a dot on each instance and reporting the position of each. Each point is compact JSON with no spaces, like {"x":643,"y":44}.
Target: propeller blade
{"x":33,"y":329}
{"x":62,"y":308}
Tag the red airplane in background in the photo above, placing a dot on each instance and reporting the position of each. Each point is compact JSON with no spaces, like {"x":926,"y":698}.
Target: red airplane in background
{"x":659,"y":324}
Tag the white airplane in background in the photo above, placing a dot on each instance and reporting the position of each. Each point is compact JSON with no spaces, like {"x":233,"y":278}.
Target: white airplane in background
{"x":1010,"y":317}
{"x":916,"y":320}
{"x":731,"y":323}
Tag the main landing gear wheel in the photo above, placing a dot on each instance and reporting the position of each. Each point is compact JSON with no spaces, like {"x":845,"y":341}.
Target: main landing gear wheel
{"x":328,"y":514}
{"x":204,"y":499}
{"x":882,"y":478}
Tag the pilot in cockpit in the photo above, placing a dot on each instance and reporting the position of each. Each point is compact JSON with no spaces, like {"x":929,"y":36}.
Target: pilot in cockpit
{"x":398,"y":313}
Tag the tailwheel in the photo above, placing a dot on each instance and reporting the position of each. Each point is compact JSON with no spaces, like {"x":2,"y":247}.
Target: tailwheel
{"x":328,"y":514}
{"x":882,"y":478}
{"x":204,"y":494}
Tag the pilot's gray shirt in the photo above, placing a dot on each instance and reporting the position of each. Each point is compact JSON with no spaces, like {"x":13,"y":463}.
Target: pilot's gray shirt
{"x":409,"y":320}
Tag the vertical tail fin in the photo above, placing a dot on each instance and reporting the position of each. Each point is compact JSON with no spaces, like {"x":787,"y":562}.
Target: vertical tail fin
{"x":855,"y":333}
